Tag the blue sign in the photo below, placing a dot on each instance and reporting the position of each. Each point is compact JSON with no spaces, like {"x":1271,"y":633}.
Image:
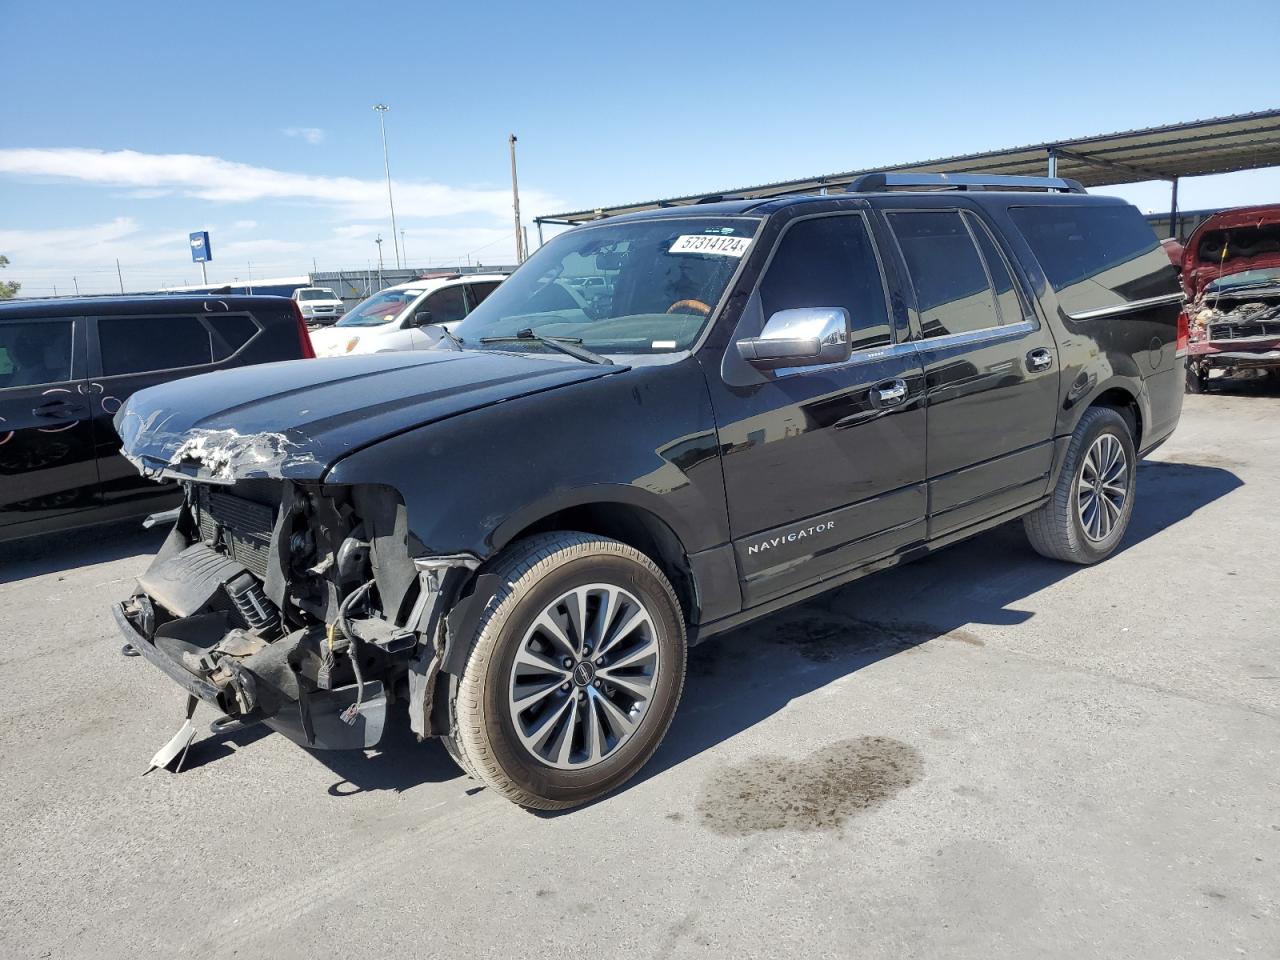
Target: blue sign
{"x":201,"y":252}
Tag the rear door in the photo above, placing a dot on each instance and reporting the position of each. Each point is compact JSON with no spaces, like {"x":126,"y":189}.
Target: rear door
{"x":47,"y":456}
{"x":990,"y":367}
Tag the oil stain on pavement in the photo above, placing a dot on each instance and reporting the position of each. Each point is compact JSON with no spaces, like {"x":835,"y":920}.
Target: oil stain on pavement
{"x":818,"y":793}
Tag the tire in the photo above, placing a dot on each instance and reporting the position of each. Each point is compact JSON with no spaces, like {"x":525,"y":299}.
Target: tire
{"x":592,"y":746}
{"x":1058,"y":530}
{"x":1196,"y":382}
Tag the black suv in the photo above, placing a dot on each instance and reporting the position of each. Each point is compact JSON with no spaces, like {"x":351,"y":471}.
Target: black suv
{"x":518,"y":533}
{"x":66,"y":366}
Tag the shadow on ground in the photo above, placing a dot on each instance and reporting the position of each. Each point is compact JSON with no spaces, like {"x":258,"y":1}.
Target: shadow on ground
{"x":740,"y":678}
{"x":36,"y":556}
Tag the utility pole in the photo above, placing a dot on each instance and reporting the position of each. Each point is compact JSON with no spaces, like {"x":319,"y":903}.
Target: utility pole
{"x":77,"y":283}
{"x":515,"y":200}
{"x":404,"y":248}
{"x":379,"y":243}
{"x":382,"y":109}
{"x":119,"y":275}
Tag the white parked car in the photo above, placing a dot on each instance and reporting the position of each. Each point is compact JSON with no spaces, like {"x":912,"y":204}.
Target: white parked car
{"x":392,"y":319}
{"x":319,"y":305}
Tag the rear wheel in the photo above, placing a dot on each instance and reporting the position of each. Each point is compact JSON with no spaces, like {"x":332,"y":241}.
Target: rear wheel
{"x":1092,"y":502}
{"x":574,"y":672}
{"x":1197,"y":379}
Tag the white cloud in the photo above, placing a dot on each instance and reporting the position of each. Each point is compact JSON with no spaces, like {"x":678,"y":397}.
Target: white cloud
{"x":312,"y":135}
{"x":245,"y":225}
{"x":216,"y":179}
{"x":154,"y":258}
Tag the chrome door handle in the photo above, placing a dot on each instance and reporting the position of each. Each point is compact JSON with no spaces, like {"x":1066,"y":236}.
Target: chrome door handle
{"x":1039,"y":359}
{"x":890,"y":393}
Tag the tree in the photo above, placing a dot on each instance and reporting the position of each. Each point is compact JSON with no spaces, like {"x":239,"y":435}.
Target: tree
{"x":8,"y":289}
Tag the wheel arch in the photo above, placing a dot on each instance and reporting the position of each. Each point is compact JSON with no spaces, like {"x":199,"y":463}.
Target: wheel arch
{"x":623,"y":520}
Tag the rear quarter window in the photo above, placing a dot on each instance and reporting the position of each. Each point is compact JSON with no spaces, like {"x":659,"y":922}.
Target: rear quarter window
{"x":232,"y":331}
{"x":1096,"y":257}
{"x":143,"y":344}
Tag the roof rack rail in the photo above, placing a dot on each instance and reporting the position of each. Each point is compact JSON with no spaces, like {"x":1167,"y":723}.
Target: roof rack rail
{"x":876,"y":182}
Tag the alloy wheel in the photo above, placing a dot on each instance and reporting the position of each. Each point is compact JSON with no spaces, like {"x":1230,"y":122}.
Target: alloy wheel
{"x":583,"y":676}
{"x":1102,"y":487}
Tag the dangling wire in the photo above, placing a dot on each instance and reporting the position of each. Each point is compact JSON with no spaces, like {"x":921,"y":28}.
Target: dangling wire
{"x":344,"y":621}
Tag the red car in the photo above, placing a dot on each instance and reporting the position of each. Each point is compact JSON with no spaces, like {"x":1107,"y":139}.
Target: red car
{"x":1231,"y":271}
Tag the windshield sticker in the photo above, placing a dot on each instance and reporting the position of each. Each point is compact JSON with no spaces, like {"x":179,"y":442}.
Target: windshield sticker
{"x":663,"y":345}
{"x":717,"y":246}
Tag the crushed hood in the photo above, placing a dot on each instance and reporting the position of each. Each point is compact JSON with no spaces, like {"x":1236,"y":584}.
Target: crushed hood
{"x":294,"y":420}
{"x":1233,"y":241}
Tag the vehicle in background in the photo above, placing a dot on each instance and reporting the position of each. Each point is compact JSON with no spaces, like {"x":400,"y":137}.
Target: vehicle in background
{"x":1231,"y":271}
{"x":66,"y":367}
{"x":394,"y":318}
{"x":320,"y":306}
{"x":264,"y":287}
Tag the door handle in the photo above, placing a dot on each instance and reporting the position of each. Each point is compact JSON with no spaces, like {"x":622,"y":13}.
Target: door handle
{"x":1039,"y":359}
{"x":56,"y":409}
{"x":890,"y":393}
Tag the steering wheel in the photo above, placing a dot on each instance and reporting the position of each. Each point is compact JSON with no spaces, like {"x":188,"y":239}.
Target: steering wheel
{"x":697,"y":306}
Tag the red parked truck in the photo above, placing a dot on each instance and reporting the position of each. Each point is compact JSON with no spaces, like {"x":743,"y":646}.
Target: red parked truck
{"x":1231,"y":271}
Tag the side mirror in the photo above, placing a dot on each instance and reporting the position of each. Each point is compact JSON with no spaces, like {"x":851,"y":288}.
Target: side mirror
{"x":422,"y":318}
{"x":800,"y":338}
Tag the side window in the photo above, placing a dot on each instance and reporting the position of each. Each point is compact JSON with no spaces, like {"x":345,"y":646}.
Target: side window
{"x":953,"y":293}
{"x":139,"y":344}
{"x":830,"y":262}
{"x":1096,"y":257}
{"x":446,"y":305}
{"x":1006,"y":296}
{"x":32,"y":354}
{"x":234,"y":329}
{"x":477,"y":292}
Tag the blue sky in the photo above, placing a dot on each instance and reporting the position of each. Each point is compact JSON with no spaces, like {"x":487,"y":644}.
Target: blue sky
{"x":125,"y":126}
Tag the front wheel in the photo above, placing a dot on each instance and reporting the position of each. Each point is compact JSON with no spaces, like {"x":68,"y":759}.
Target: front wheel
{"x":574,"y":672}
{"x":1092,"y":502}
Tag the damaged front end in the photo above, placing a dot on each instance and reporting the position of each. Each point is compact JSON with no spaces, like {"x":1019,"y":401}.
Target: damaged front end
{"x":1235,"y":333}
{"x":298,"y":604}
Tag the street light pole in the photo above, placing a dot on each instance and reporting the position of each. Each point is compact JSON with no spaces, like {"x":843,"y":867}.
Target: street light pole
{"x":382,"y":109}
{"x":515,"y":201}
{"x":379,"y":243}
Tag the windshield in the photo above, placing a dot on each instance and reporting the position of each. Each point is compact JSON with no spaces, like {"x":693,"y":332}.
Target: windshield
{"x":317,"y":293}
{"x":641,"y":286}
{"x":1245,"y":278}
{"x":380,"y":308}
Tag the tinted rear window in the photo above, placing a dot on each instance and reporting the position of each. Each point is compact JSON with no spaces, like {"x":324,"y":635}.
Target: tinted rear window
{"x":139,"y":344}
{"x":1096,"y":256}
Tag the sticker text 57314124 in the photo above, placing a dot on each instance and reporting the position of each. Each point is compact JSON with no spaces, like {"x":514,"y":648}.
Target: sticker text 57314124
{"x":708,"y":243}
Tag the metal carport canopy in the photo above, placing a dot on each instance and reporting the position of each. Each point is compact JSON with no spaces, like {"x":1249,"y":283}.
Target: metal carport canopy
{"x":1245,"y":141}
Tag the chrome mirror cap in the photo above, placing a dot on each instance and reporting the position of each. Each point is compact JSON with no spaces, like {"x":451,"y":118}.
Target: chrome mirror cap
{"x":801,"y":337}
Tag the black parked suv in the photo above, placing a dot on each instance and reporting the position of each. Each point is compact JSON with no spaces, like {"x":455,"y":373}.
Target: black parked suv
{"x":519,"y":533}
{"x":67,"y":366}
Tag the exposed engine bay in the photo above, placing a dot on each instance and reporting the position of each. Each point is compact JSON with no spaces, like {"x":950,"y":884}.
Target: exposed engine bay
{"x":297,"y":605}
{"x":1235,"y":334}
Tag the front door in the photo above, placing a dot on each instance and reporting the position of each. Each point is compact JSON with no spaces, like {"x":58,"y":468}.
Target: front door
{"x":47,"y":460}
{"x":823,"y":465}
{"x":991,"y":369}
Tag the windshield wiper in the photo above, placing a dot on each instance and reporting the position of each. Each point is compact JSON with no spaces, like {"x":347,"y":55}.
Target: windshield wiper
{"x":570,"y":345}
